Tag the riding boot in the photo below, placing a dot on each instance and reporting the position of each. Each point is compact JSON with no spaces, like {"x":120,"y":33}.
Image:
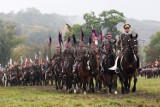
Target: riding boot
{"x":115,"y":65}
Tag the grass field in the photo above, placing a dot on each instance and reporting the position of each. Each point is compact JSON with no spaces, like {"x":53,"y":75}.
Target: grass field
{"x":147,"y":95}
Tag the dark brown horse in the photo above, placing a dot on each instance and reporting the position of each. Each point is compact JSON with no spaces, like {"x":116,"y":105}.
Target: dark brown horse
{"x":83,"y":72}
{"x":106,"y":76}
{"x":109,"y":77}
{"x":57,"y":70}
{"x":128,"y":65}
{"x":67,"y":73}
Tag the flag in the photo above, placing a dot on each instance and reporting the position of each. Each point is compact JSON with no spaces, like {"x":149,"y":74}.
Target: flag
{"x":101,"y":36}
{"x":82,"y":35}
{"x":47,"y":59}
{"x":60,"y":41}
{"x":10,"y":61}
{"x":21,"y":59}
{"x":90,"y":40}
{"x":50,"y":41}
{"x":31,"y":60}
{"x":68,"y":40}
{"x":74,"y":40}
{"x":94,"y":37}
{"x":68,"y":27}
{"x":35,"y":56}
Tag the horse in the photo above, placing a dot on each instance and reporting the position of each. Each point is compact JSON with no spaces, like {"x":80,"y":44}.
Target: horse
{"x":128,"y":65}
{"x":67,"y":72}
{"x":57,"y":70}
{"x":109,"y":76}
{"x":26,"y":76}
{"x":83,"y":72}
{"x":93,"y":67}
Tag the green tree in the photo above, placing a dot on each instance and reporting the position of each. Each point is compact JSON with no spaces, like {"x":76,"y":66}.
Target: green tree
{"x":110,"y":20}
{"x":8,"y":41}
{"x":92,"y":21}
{"x":152,"y":50}
{"x":76,"y":30}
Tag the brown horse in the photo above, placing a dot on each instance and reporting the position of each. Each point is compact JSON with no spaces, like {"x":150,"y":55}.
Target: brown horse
{"x":128,"y":65}
{"x":83,"y":72}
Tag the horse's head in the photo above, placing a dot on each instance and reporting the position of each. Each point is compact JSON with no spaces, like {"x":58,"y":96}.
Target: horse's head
{"x":112,"y":46}
{"x":133,"y":43}
{"x":77,"y":61}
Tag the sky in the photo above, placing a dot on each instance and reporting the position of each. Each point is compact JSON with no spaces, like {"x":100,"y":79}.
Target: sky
{"x":137,"y":9}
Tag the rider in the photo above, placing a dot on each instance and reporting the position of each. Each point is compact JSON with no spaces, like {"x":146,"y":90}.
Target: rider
{"x":156,"y":63}
{"x":68,"y":54}
{"x":93,"y":58}
{"x":57,"y":55}
{"x":122,"y":45}
{"x":104,"y":48}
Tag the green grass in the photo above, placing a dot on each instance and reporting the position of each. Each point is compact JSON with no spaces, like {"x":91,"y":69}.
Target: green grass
{"x":147,"y":95}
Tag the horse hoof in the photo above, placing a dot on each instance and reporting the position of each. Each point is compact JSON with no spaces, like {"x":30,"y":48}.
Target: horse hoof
{"x":115,"y":92}
{"x":133,"y":90}
{"x":84,"y":93}
{"x":75,"y":91}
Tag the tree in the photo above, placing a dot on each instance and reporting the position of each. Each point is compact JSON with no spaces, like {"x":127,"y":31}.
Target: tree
{"x":8,"y":41}
{"x":152,"y":50}
{"x":92,"y":21}
{"x":76,"y":30}
{"x":110,"y":20}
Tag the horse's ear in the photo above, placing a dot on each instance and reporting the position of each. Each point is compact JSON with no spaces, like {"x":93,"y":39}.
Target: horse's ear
{"x":136,"y":36}
{"x":131,"y":36}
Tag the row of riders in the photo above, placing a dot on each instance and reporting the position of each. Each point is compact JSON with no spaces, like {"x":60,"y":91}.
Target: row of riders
{"x":81,"y":68}
{"x":150,"y":71}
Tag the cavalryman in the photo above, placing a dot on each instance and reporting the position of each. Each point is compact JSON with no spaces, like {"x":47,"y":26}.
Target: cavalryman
{"x":57,"y":53}
{"x":156,"y":63}
{"x":57,"y":56}
{"x":69,"y":51}
{"x":124,"y":38}
{"x":122,"y":43}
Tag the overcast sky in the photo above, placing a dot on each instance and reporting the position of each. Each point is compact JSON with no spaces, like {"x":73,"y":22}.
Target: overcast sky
{"x":138,"y":9}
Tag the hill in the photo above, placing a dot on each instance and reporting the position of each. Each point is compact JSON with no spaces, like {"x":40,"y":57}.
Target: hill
{"x":39,"y":26}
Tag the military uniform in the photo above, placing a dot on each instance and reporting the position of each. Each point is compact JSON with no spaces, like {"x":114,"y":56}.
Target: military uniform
{"x":123,"y":41}
{"x":122,"y":45}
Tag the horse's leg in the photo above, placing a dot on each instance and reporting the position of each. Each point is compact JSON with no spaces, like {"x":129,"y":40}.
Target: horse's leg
{"x":110,"y":84}
{"x":129,"y":84}
{"x":122,"y":83}
{"x":126,"y":84}
{"x":134,"y":85}
{"x":92,"y":84}
{"x":56,"y":82}
{"x":115,"y":83}
{"x":84,"y":87}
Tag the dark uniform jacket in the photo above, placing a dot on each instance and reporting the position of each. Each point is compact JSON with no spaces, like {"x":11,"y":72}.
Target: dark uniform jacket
{"x":122,"y":43}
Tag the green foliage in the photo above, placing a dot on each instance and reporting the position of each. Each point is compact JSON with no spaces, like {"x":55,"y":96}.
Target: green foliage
{"x":110,"y":20}
{"x":76,"y":30}
{"x":8,"y":40}
{"x":153,"y":49}
{"x":92,"y":21}
{"x":107,"y":20}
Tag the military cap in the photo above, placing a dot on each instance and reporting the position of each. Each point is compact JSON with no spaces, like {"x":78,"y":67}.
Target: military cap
{"x":127,"y":26}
